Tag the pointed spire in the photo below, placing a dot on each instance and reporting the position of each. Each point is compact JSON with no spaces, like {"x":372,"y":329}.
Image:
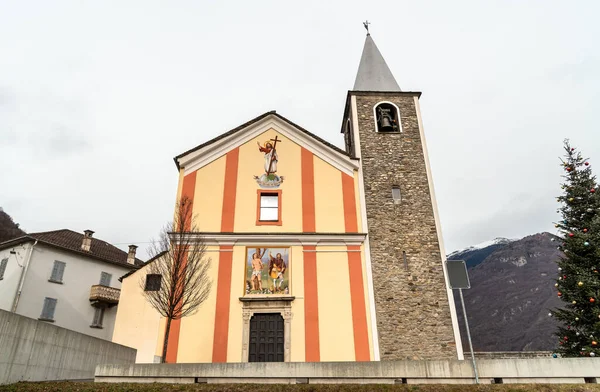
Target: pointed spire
{"x":373,"y":73}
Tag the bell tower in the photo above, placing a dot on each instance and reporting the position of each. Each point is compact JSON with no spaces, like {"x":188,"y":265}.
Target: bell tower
{"x":415,"y":316}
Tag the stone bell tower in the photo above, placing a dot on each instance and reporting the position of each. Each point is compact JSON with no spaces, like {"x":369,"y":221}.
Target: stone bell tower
{"x":414,"y":308}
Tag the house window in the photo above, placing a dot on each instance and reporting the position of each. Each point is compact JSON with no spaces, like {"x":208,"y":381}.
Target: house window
{"x":57,"y":272}
{"x":3,"y":264}
{"x":268,"y":210}
{"x":387,"y":118}
{"x":98,"y":317}
{"x":153,"y":282}
{"x":48,"y":309}
{"x":105,"y":279}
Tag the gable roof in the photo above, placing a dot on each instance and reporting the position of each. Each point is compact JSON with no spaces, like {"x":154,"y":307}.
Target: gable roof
{"x":231,"y":134}
{"x":70,"y":240}
{"x":156,"y":257}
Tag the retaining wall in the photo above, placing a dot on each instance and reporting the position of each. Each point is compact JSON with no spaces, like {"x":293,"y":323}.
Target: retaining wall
{"x":539,"y":370}
{"x":32,"y":350}
{"x":509,"y":354}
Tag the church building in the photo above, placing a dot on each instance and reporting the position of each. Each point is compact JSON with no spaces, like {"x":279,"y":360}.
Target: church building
{"x":317,"y":253}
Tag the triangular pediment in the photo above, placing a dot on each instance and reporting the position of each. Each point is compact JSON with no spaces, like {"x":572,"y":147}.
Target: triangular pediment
{"x":206,"y":153}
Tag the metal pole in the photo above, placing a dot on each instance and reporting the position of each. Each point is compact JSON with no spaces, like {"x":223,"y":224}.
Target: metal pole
{"x":462,"y":301}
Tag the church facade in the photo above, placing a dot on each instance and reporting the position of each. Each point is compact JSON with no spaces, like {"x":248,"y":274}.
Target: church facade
{"x":317,"y":253}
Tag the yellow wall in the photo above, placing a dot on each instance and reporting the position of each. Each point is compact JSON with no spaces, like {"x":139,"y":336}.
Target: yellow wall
{"x":367,"y":302}
{"x":137,"y":324}
{"x":234,"y":342}
{"x":297,"y":290}
{"x":208,"y":196}
{"x":251,"y":163}
{"x":197,"y":331}
{"x":336,"y":333}
{"x":329,"y":206}
{"x":210,"y":182}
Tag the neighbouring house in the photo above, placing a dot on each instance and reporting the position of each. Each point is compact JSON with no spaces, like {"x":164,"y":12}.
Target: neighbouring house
{"x":318,"y":253}
{"x":66,"y":278}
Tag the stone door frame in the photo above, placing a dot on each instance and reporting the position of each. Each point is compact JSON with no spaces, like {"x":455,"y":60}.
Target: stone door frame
{"x":281,"y":305}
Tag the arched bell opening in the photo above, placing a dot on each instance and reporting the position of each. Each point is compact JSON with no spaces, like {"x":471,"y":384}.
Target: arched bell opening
{"x":387,"y":118}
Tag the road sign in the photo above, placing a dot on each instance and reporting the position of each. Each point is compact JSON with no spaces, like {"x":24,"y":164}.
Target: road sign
{"x":457,"y":274}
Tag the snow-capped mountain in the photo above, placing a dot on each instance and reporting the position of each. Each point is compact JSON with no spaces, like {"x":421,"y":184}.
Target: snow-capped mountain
{"x":475,"y":254}
{"x":512,"y":289}
{"x":485,"y":244}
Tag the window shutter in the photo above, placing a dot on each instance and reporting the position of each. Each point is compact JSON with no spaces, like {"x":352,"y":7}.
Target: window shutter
{"x":3,"y":264}
{"x":105,"y":279}
{"x":49,"y":308}
{"x":61,"y":271}
{"x":98,"y":316}
{"x":58,"y":271}
{"x":54,"y":271}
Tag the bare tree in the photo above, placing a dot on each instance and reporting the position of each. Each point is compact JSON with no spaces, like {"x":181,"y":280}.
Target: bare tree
{"x":177,"y":280}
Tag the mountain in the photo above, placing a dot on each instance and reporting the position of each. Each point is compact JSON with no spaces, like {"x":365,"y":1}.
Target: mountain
{"x":474,"y":255}
{"x":8,"y":228}
{"x":512,"y":289}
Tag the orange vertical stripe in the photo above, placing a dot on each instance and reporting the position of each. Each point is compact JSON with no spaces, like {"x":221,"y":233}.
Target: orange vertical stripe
{"x":311,"y":306}
{"x":308,"y":191}
{"x":222,"y":309}
{"x":311,"y":298}
{"x":231,"y":170}
{"x":173,"y":344}
{"x":188,"y":188}
{"x":221,"y":333}
{"x":359,"y":311}
{"x":349,"y":199}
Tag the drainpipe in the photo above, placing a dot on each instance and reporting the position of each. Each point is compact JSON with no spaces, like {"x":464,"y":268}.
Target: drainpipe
{"x":22,"y":278}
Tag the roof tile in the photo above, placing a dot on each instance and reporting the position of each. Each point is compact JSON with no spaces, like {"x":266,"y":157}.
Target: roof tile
{"x":72,"y":241}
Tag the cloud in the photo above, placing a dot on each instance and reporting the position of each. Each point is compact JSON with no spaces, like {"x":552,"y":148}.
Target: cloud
{"x":42,"y":125}
{"x":522,"y":215}
{"x":60,"y":139}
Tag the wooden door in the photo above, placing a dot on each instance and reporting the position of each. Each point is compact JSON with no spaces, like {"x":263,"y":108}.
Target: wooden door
{"x":266,"y":338}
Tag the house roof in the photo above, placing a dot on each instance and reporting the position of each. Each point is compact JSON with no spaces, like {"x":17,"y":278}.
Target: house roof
{"x":71,"y":241}
{"x":253,"y":121}
{"x":373,"y":72}
{"x":143,"y":265}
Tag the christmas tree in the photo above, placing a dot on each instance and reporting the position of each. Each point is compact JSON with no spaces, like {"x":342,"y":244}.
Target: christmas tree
{"x":578,"y":283}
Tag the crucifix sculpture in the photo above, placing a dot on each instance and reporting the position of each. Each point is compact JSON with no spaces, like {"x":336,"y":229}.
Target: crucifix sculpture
{"x":273,"y":154}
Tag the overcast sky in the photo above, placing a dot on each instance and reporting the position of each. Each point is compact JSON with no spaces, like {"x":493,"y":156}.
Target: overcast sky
{"x":97,"y":97}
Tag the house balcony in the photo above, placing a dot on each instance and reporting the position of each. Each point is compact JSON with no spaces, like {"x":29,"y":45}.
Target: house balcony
{"x":104,"y":296}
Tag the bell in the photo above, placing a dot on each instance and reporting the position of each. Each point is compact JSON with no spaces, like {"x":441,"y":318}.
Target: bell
{"x":386,"y":124}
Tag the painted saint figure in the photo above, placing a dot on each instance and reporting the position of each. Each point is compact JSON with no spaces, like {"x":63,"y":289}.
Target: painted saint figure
{"x":257,"y":267}
{"x":271,"y":157}
{"x":276,"y":270}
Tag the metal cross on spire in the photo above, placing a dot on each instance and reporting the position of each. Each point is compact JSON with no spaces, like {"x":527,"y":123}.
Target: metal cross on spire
{"x":366,"y":23}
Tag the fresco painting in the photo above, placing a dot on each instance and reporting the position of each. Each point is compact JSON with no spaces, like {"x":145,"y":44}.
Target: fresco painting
{"x":267,"y":271}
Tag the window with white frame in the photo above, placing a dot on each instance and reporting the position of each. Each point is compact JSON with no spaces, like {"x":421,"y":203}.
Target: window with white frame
{"x":269,"y":207}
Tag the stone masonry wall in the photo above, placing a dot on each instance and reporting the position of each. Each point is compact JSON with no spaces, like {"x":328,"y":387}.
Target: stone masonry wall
{"x":413,"y":313}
